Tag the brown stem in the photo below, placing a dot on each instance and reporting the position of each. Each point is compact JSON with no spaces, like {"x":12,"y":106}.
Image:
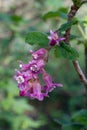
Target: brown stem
{"x":71,"y":14}
{"x":77,"y":67}
{"x":80,"y":72}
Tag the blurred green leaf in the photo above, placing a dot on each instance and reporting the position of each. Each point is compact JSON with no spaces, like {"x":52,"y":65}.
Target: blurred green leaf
{"x":16,"y":18}
{"x":57,"y":52}
{"x":8,"y":115}
{"x":66,"y":51}
{"x":80,"y":117}
{"x":63,"y":9}
{"x":7,"y":103}
{"x":37,"y":38}
{"x":51,"y":15}
{"x":73,"y":37}
{"x":11,"y":89}
{"x":72,"y":127}
{"x":67,"y":25}
{"x":21,"y":105}
{"x":10,"y":18}
{"x":61,"y":12}
{"x":63,"y":121}
{"x":20,"y":121}
{"x":25,"y":122}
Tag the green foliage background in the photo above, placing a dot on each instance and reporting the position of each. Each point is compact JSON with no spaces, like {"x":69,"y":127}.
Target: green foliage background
{"x":65,"y":108}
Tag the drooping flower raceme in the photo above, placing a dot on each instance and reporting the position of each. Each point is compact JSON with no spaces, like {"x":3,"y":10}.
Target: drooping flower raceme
{"x":54,"y":38}
{"x":28,"y":77}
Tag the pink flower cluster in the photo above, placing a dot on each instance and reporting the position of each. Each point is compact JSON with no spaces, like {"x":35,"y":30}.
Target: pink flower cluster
{"x":28,"y":77}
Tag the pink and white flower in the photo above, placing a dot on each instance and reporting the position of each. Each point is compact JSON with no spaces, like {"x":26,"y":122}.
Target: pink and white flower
{"x":54,"y":38}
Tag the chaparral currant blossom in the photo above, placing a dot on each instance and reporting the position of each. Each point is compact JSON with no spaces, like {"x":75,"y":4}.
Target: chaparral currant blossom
{"x":39,"y":54}
{"x":49,"y":83}
{"x":54,"y":38}
{"x":28,"y":77}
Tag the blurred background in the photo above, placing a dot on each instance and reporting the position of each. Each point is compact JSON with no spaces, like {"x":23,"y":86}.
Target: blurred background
{"x":17,"y":18}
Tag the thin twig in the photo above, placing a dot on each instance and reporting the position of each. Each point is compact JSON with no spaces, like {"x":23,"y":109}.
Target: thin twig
{"x":77,"y":67}
{"x":80,"y":72}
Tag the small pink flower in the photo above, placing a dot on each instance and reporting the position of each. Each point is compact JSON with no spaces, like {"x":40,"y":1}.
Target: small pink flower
{"x":22,"y":80}
{"x":49,"y":83}
{"x":34,"y":66}
{"x":54,"y":39}
{"x":37,"y":91}
{"x":34,"y":91}
{"x":39,"y":54}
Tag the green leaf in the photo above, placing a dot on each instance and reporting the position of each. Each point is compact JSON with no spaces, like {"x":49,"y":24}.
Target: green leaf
{"x":61,"y":12}
{"x":80,"y":117}
{"x":63,"y":121}
{"x":67,"y":25}
{"x":72,"y":127}
{"x":57,"y":52}
{"x":73,"y":37}
{"x":68,"y":52}
{"x":63,"y":9}
{"x":37,"y":38}
{"x":50,"y":15}
{"x":16,"y":18}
